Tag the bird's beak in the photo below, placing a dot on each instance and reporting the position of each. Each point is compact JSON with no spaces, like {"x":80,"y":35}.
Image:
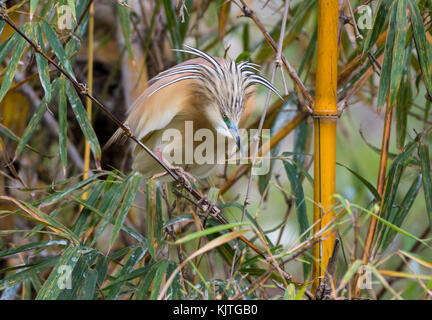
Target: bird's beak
{"x":236,"y":135}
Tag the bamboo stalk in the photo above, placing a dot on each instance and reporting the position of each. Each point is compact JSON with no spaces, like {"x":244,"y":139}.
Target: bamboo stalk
{"x":325,"y":115}
{"x":90,"y":88}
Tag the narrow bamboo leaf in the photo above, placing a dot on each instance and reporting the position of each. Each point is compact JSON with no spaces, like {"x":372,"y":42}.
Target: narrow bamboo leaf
{"x":32,"y":246}
{"x":424,"y":51}
{"x":33,"y":6}
{"x":397,"y":66}
{"x":90,"y":286}
{"x":397,"y":216}
{"x":211,"y":230}
{"x":427,"y":180}
{"x":71,"y":5}
{"x":62,"y":116}
{"x":367,"y":184}
{"x":308,"y":56}
{"x":83,"y":120}
{"x":130,"y":276}
{"x":132,"y":186}
{"x":57,"y":47}
{"x":175,"y":292}
{"x":173,"y":29}
{"x":31,"y":127}
{"x":184,"y":22}
{"x":144,"y":285}
{"x":59,"y":277}
{"x":124,"y":17}
{"x":393,"y":179}
{"x":13,"y":64}
{"x":79,"y":277}
{"x":150,"y":215}
{"x":61,"y":194}
{"x":2,"y":24}
{"x":31,"y":270}
{"x":403,"y":104}
{"x":386,"y":70}
{"x":379,"y":20}
{"x":8,"y":133}
{"x":352,"y":271}
{"x":8,"y":45}
{"x":130,"y":264}
{"x":392,"y":226}
{"x":160,"y":273}
{"x":108,"y":206}
{"x":297,"y":191}
{"x":42,"y":63}
{"x":134,"y":234}
{"x":50,"y":222}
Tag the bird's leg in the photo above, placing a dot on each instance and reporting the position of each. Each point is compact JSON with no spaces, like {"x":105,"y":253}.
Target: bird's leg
{"x":178,"y":170}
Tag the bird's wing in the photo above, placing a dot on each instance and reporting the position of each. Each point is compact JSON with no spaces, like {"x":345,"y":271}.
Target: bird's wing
{"x":154,"y":110}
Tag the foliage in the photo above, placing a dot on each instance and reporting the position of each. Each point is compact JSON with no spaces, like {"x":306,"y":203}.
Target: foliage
{"x":116,"y":235}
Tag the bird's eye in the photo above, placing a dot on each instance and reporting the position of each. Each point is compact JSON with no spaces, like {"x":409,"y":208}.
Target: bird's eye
{"x":224,"y":116}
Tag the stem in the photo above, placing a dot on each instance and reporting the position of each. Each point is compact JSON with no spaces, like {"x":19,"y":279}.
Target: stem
{"x":90,"y":89}
{"x":325,"y":114}
{"x":201,"y":203}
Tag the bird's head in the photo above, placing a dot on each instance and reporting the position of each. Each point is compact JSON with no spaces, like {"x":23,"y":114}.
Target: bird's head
{"x":226,"y":86}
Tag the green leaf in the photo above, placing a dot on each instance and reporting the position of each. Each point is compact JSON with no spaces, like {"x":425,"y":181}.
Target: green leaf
{"x":154,"y":224}
{"x":108,"y":206}
{"x":424,"y":51}
{"x":83,"y":278}
{"x":57,"y":47}
{"x":427,"y":180}
{"x":297,"y":191}
{"x":31,"y":270}
{"x":147,"y":280}
{"x":130,"y":264}
{"x":124,"y":17}
{"x":52,"y":198}
{"x":379,"y":20}
{"x":59,"y":277}
{"x":210,"y":230}
{"x":160,"y":272}
{"x":33,"y":5}
{"x":386,"y":70}
{"x":13,"y":64}
{"x":392,"y":183}
{"x":80,"y":224}
{"x":173,"y":29}
{"x":7,"y":46}
{"x":62,"y":116}
{"x":398,"y":50}
{"x":83,"y":121}
{"x":397,"y":216}
{"x":31,"y":127}
{"x":42,"y":63}
{"x":8,"y":133}
{"x":132,"y":186}
{"x":367,"y":184}
{"x":32,"y":246}
{"x":403,"y":104}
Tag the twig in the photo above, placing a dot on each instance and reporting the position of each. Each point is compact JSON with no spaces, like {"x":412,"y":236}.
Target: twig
{"x":248,"y":12}
{"x":202,"y":202}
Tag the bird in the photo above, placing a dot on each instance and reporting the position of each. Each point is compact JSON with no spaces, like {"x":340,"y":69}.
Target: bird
{"x":205,"y":96}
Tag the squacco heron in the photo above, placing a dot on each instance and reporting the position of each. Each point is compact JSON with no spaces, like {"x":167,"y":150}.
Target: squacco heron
{"x":209,"y":94}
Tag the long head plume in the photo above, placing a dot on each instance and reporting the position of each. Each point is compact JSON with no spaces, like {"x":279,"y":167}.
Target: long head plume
{"x":225,"y":83}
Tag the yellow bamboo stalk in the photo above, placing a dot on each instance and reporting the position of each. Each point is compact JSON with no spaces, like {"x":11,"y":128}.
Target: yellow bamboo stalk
{"x":90,"y":89}
{"x":325,"y":117}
